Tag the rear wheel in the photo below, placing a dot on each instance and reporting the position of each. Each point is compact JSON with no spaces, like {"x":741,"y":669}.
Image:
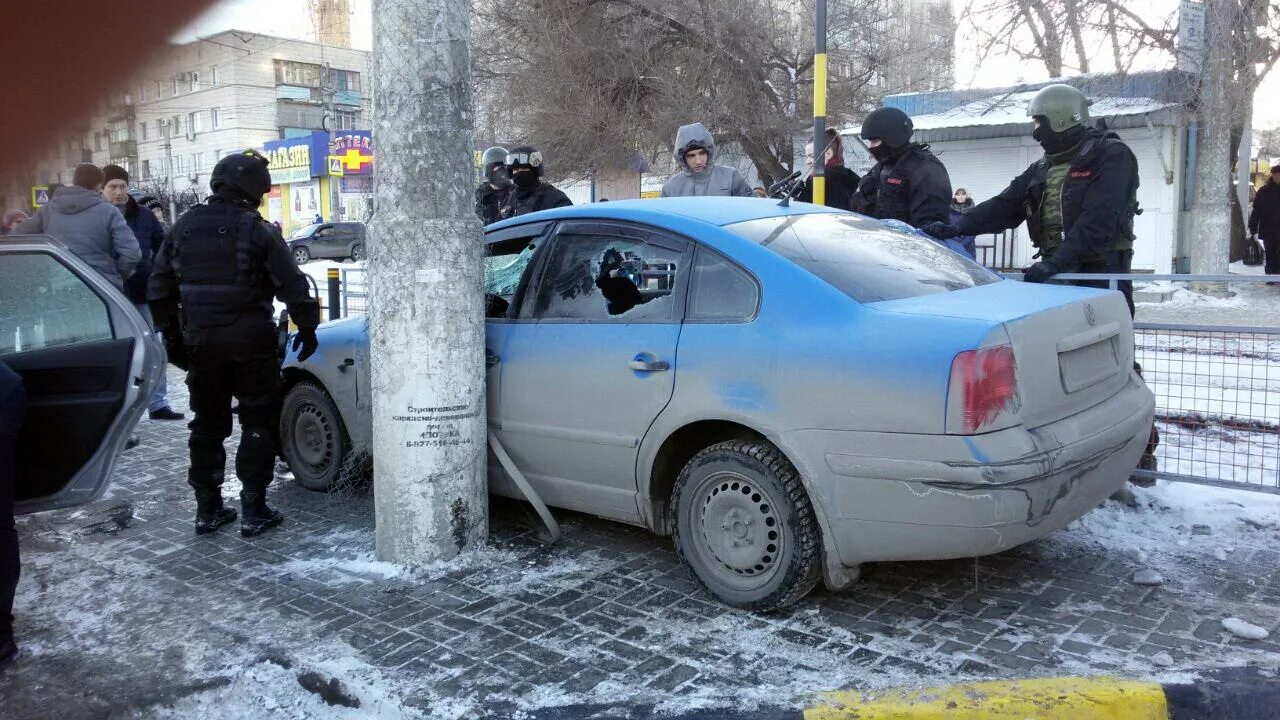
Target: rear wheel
{"x":744,"y":526}
{"x":313,"y":439}
{"x":357,"y":252}
{"x":301,"y":254}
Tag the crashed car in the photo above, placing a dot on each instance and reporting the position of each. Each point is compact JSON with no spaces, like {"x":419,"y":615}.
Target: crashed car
{"x":788,"y":391}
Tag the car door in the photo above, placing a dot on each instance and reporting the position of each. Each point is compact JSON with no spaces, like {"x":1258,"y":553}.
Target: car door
{"x":325,"y":243}
{"x":583,"y":381}
{"x":88,"y":363}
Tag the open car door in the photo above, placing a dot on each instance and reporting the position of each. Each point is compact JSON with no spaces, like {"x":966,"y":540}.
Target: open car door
{"x":88,"y":362}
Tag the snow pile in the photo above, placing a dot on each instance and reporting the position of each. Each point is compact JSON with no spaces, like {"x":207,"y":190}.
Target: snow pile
{"x":1011,"y":109}
{"x":1243,"y":629}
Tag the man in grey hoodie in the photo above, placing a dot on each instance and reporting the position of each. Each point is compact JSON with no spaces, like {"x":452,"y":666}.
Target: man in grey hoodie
{"x":88,"y":225}
{"x":695,"y":150}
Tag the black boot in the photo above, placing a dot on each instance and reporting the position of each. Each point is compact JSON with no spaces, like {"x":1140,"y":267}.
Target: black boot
{"x":257,"y":518}
{"x":211,"y":514}
{"x":8,"y":652}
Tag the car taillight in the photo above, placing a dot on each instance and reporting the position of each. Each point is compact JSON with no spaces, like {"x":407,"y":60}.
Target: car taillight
{"x":987,"y":382}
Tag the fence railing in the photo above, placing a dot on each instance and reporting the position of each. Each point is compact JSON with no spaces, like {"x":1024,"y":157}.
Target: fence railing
{"x":1217,"y":387}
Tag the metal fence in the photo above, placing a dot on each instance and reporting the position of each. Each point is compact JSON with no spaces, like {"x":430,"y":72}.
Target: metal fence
{"x":355,"y":292}
{"x":1217,"y":391}
{"x":1217,"y":388}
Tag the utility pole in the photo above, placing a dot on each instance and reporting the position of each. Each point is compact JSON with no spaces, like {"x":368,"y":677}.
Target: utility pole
{"x":167,"y":126}
{"x":330,"y":89}
{"x":820,"y":102}
{"x":426,"y":318}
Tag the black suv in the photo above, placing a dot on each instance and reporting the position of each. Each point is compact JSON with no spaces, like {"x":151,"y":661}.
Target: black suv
{"x":340,"y":240}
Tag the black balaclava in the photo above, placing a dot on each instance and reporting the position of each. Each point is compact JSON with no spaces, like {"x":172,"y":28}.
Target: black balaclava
{"x":526,"y":180}
{"x":1057,"y":143}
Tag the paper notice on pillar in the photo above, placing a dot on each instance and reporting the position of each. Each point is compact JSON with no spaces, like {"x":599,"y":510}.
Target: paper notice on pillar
{"x":1191,"y":41}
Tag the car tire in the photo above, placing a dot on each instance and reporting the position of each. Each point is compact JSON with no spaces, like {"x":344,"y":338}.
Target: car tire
{"x":744,"y":526}
{"x":357,"y":252}
{"x":301,"y":254}
{"x":313,"y":440}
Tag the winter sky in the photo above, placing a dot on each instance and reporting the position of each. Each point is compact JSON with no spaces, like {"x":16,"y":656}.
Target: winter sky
{"x":291,"y":18}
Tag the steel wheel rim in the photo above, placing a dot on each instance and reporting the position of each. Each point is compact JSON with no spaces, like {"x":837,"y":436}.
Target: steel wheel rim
{"x":301,"y":255}
{"x":313,"y":439}
{"x":357,"y":252}
{"x":737,"y":530}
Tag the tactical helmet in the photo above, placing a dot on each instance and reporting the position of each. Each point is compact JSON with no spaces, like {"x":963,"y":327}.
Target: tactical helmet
{"x":1062,"y":106}
{"x":526,"y":156}
{"x":889,"y":125}
{"x":493,"y":155}
{"x":245,"y":171}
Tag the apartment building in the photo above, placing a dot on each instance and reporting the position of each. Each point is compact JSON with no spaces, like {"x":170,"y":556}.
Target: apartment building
{"x":171,"y":122}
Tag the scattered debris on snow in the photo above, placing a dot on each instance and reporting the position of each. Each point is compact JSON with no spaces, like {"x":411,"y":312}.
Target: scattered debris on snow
{"x":1147,"y":576}
{"x":1219,"y":554}
{"x":1162,"y":659}
{"x":1243,"y":629}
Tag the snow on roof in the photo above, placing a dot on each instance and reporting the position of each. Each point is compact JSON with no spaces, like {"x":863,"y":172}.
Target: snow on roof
{"x":1011,"y":109}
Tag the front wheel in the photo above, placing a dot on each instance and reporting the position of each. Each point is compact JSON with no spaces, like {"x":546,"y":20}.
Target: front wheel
{"x":744,"y":526}
{"x":313,"y":439}
{"x":301,"y":255}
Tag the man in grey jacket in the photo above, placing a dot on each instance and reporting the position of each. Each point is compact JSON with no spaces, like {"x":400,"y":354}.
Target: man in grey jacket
{"x":695,"y":150}
{"x":88,"y":225}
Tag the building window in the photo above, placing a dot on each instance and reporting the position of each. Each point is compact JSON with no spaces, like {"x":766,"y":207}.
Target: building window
{"x":197,"y":161}
{"x":213,"y":76}
{"x":289,"y":72}
{"x":175,"y":85}
{"x":158,"y":89}
{"x":146,"y":169}
{"x":347,"y":120}
{"x":97,"y":141}
{"x":214,"y":119}
{"x":177,"y":164}
{"x":142,"y":130}
{"x":217,"y":155}
{"x":177,"y":125}
{"x":195,"y":81}
{"x":346,"y":80}
{"x":142,"y":93}
{"x":194,"y":125}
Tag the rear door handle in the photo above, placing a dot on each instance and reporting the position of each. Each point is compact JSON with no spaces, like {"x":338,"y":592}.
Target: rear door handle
{"x":645,"y":362}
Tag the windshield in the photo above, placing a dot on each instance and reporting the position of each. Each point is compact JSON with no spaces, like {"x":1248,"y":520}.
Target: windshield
{"x":864,"y":259}
{"x":304,"y":232}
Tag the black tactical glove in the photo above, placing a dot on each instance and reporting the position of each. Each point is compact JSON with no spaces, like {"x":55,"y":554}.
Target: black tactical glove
{"x":941,"y":230}
{"x":305,"y":339}
{"x":1040,"y":272}
{"x":176,"y":351}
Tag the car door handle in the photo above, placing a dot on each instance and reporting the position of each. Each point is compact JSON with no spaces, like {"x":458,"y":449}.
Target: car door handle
{"x":490,"y":358}
{"x":644,"y":363}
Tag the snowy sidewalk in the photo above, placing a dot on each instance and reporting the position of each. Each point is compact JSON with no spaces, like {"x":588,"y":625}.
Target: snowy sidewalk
{"x":123,"y":612}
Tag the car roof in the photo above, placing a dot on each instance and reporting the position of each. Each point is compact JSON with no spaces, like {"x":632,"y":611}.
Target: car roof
{"x":662,"y":211}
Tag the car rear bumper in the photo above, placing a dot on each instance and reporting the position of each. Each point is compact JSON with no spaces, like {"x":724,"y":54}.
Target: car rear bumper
{"x":973,"y":495}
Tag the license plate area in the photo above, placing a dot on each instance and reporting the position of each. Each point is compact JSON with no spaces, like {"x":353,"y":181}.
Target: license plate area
{"x":1089,"y":365}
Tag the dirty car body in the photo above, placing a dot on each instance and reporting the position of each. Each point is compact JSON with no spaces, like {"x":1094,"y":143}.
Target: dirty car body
{"x":930,"y":409}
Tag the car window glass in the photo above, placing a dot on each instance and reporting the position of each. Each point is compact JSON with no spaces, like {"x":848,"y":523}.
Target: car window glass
{"x":864,"y":259}
{"x":720,"y":290}
{"x":599,"y":277}
{"x":303,"y":232}
{"x":43,"y":304}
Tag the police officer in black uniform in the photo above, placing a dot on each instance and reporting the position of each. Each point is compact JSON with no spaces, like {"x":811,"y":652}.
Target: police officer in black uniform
{"x":211,"y":294}
{"x":532,"y":192}
{"x":907,"y":183}
{"x":1078,"y":201}
{"x":493,"y":197}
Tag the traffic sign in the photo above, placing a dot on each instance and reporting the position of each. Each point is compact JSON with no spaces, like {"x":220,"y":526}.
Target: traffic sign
{"x":335,"y":166}
{"x":39,"y":195}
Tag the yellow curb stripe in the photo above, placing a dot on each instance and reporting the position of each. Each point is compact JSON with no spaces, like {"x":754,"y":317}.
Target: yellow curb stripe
{"x":1042,"y":699}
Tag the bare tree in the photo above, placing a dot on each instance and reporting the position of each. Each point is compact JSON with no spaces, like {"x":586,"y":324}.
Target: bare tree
{"x":600,"y":83}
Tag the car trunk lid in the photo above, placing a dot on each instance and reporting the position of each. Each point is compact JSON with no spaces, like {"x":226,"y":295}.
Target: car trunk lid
{"x":1073,"y":346}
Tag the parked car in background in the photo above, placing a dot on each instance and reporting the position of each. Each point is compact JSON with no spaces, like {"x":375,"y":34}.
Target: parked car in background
{"x":337,"y":240}
{"x":788,"y":391}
